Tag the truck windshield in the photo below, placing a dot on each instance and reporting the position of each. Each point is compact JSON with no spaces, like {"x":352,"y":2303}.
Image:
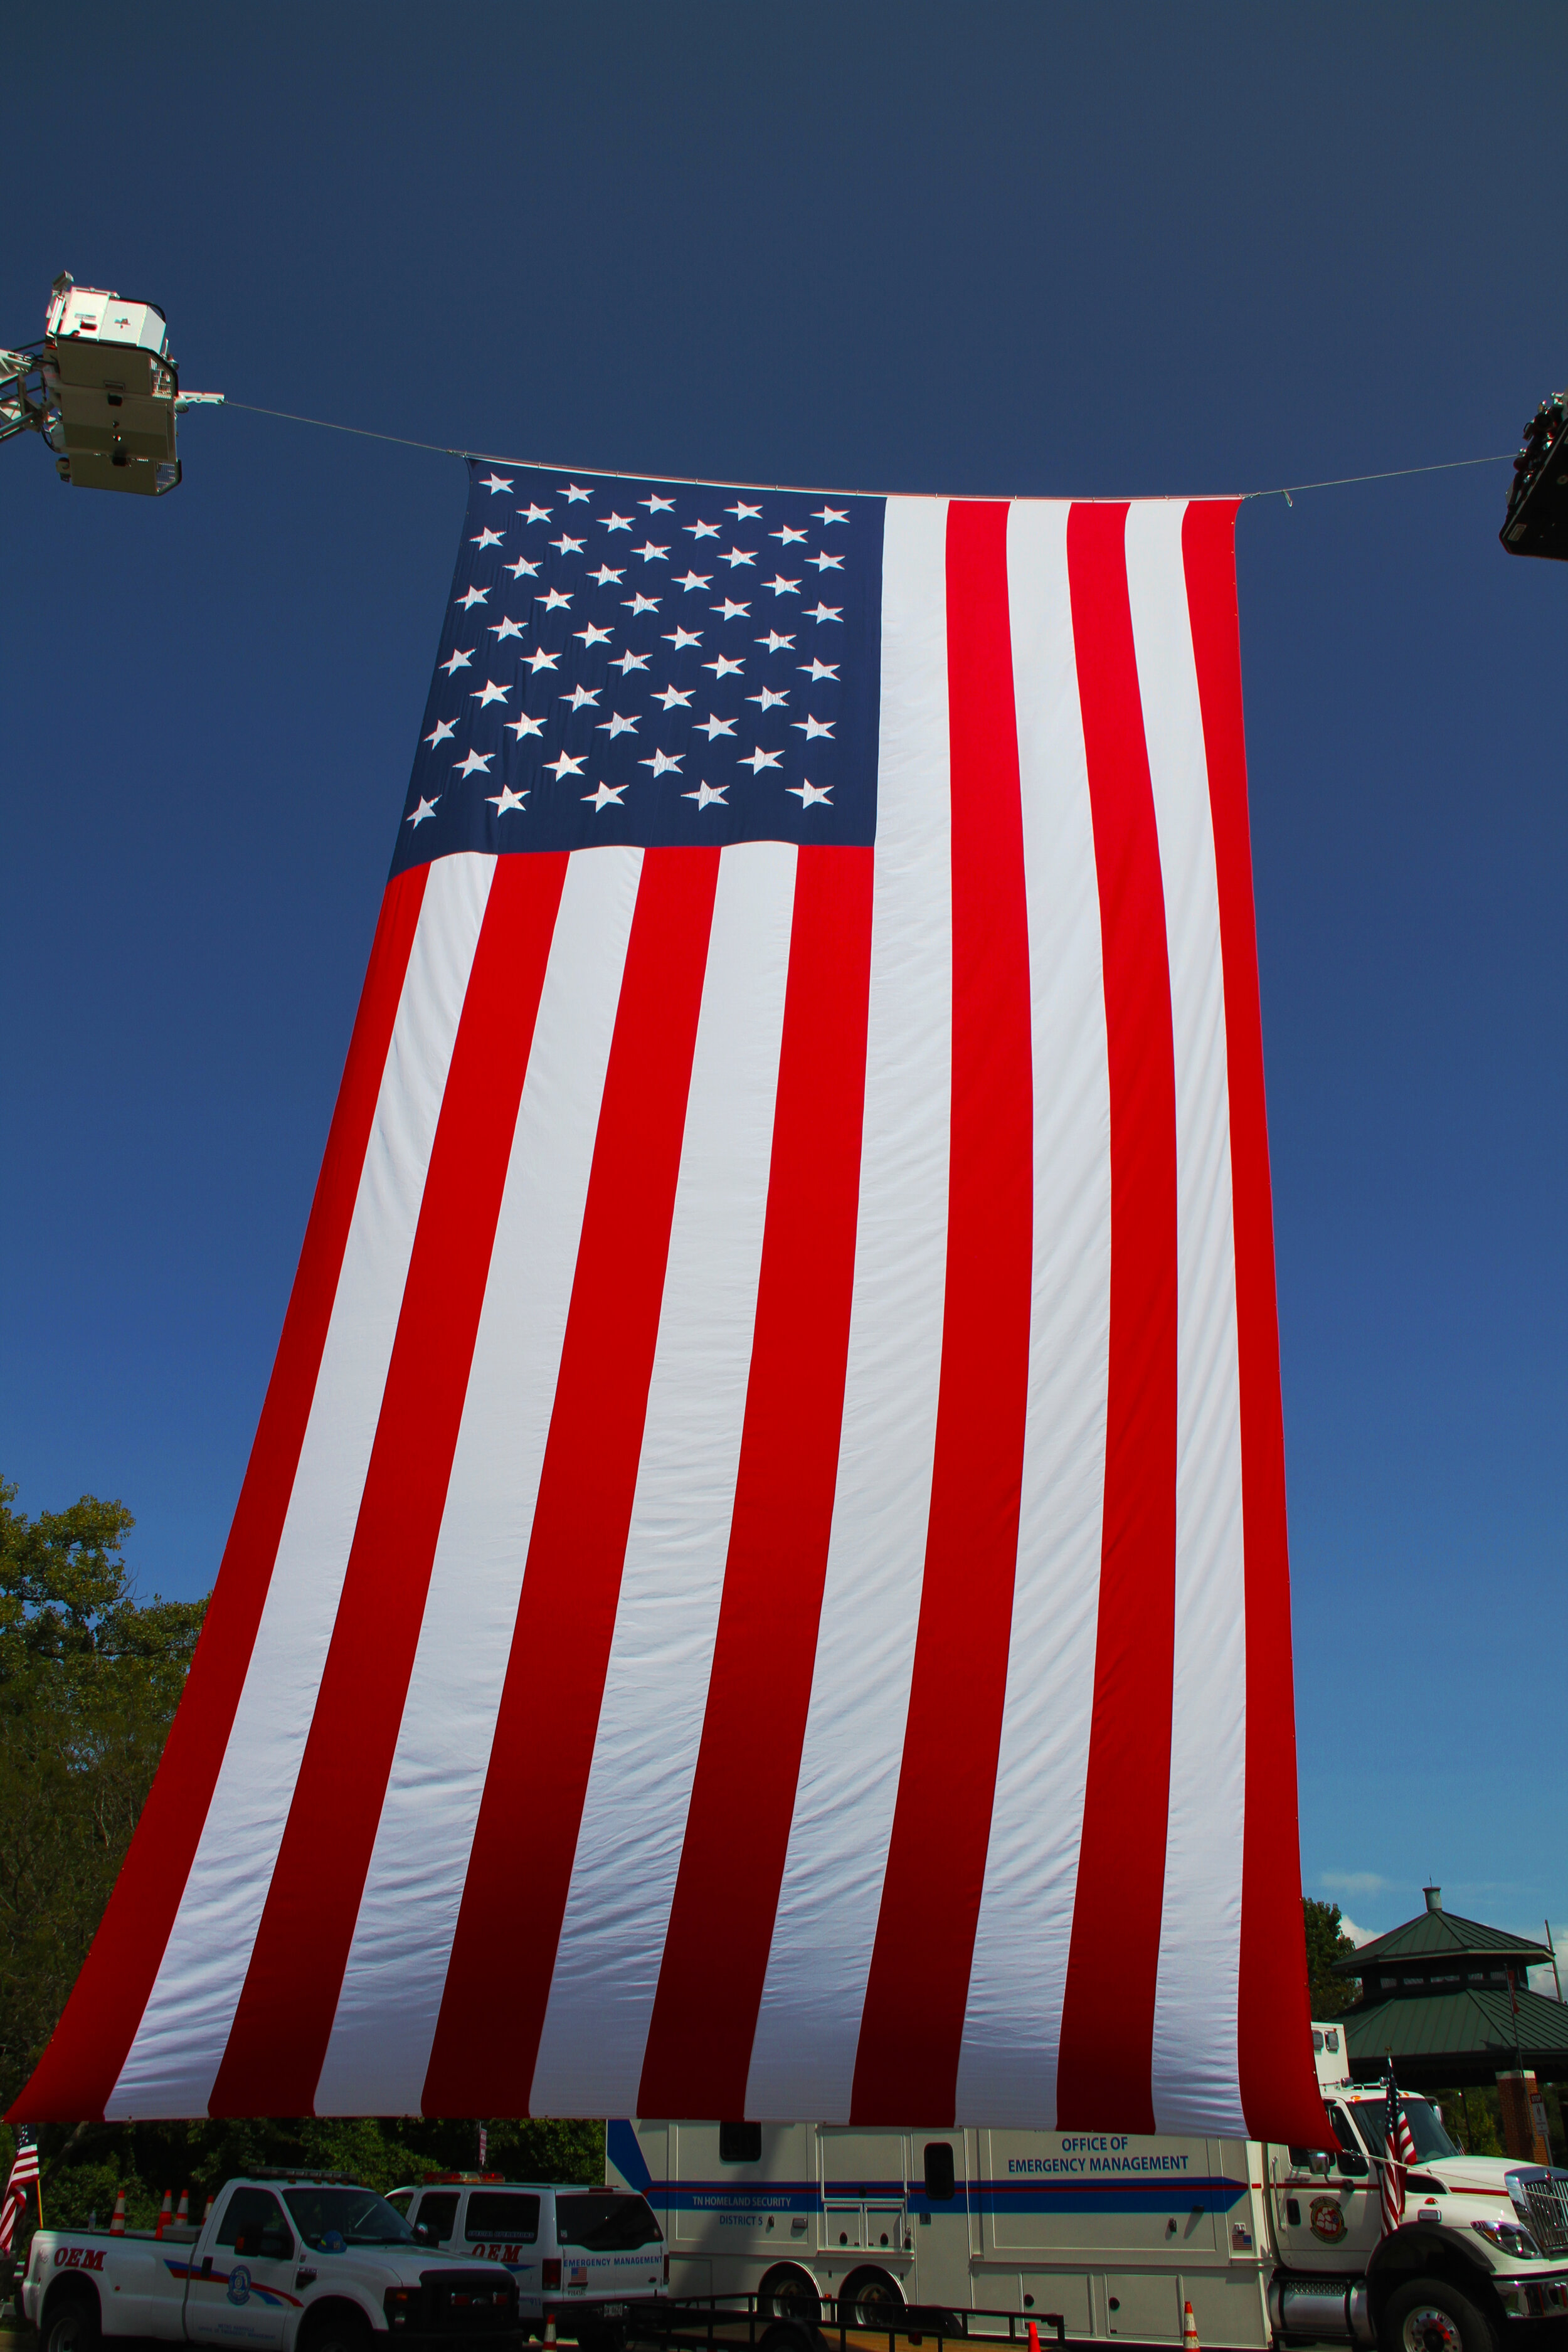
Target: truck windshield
{"x":1431,"y":2140}
{"x":349,"y":2216}
{"x":605,"y":2224}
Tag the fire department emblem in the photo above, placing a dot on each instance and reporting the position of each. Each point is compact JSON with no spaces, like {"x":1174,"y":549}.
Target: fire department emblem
{"x":1328,"y":2218}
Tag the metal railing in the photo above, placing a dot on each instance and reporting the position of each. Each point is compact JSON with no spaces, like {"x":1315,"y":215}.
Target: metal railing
{"x":726,"y":2323}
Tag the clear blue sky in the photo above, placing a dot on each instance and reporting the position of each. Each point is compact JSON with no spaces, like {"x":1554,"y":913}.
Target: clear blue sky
{"x":1116,"y":249}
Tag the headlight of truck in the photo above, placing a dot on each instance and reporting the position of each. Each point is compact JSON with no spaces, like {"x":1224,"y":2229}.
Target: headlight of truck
{"x":1509,"y":2239}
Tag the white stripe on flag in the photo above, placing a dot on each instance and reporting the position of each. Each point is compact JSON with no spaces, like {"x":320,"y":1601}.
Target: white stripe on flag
{"x":1194,"y":2061}
{"x":385,"y":2022}
{"x":1007,"y":2066}
{"x":655,"y":1686}
{"x":803,"y":2058}
{"x":179,"y":2044}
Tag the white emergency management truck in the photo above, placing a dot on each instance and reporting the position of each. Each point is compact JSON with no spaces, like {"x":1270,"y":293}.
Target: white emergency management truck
{"x":1112,"y":2234}
{"x":579,"y":2255}
{"x":291,"y":2261}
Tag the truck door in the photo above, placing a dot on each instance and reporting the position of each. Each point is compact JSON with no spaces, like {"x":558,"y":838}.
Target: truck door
{"x":1328,"y":2220}
{"x":243,"y":2292}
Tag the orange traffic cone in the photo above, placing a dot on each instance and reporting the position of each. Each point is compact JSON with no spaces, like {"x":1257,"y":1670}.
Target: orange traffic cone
{"x":207,"y":2217}
{"x":166,"y":2213}
{"x":183,"y":2211}
{"x":1034,"y":2337}
{"x":117,"y":2219}
{"x":1189,"y":2329}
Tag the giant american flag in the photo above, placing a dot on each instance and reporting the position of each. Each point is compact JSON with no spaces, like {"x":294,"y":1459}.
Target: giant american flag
{"x":761,"y":1585}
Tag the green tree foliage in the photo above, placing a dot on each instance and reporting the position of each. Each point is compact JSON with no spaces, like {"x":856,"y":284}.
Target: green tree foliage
{"x":1326,"y":1943}
{"x":90,"y":1678}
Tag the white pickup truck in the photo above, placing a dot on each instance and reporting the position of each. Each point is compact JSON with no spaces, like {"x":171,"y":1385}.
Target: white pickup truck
{"x":580,"y":2256}
{"x":290,"y":2262}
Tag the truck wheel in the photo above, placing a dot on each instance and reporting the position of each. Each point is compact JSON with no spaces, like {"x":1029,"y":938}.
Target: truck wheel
{"x":337,"y":2330}
{"x":72,"y":2323}
{"x":872,"y":2299}
{"x":787,"y":2293}
{"x":1430,"y":2315}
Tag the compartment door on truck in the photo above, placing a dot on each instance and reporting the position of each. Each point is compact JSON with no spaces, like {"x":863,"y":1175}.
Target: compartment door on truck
{"x":248,"y":2294}
{"x":865,"y":2203}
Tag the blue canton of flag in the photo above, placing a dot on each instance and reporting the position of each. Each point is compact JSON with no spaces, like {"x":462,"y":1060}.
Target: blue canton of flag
{"x":651,"y":663}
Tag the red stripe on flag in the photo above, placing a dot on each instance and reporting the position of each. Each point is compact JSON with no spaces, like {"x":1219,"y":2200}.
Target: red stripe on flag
{"x":80,"y":2068}
{"x":743,"y":1796}
{"x":284,"y":2018}
{"x":1278,"y":2085}
{"x":1108,"y":2009}
{"x":519,"y":1870}
{"x":912,"y":2022}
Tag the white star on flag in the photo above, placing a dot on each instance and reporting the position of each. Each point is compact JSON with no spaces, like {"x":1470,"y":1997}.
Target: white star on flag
{"x":810,"y":727}
{"x":781,"y":586}
{"x":706,"y":794}
{"x":536,"y":514}
{"x":701,"y":530}
{"x":711,"y":727}
{"x":674,"y":696}
{"x":474,"y":596}
{"x":656,"y":505}
{"x":523,"y":725}
{"x":616,"y":725}
{"x":605,"y":795}
{"x":507,"y":628}
{"x":553,"y":598}
{"x":573,"y":495}
{"x":539,"y":659}
{"x":419,"y":816}
{"x":826,"y":613}
{"x":724,"y":666}
{"x":831,"y":514}
{"x":769,"y":698}
{"x":787,"y":535}
{"x":650,"y":553}
{"x":522,"y":566}
{"x":487,"y":693}
{"x":661,"y":762}
{"x":761,"y":760}
{"x":735,"y":555}
{"x":457,"y":661}
{"x":809,"y":794}
{"x":580,"y":695}
{"x":494,"y":483}
{"x":683,"y":637}
{"x":826,"y":563}
{"x":565,"y":765}
{"x":607,"y":578}
{"x":642,"y":605}
{"x":816,"y":669}
{"x":592,"y":635}
{"x":625,"y":662}
{"x":774,"y":643}
{"x":477,"y":764}
{"x":730,"y":611}
{"x":507,"y":799}
{"x":444,"y":727}
{"x":743,"y":513}
{"x":569,"y":546}
{"x":695,"y":580}
{"x":486,"y":538}
{"x":616,"y":521}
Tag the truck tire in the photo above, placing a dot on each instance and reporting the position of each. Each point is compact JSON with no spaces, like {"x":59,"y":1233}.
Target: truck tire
{"x":1427,"y":2315}
{"x":872,"y":2299}
{"x":789,"y":2293}
{"x":71,"y":2321}
{"x":335,"y":2327}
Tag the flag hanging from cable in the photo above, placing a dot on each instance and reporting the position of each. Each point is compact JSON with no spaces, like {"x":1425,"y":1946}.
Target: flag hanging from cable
{"x":761,"y":1585}
{"x":24,"y":2175}
{"x":1399,"y":2155}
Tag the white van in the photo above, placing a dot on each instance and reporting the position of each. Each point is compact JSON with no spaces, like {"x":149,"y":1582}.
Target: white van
{"x":579,"y":2255}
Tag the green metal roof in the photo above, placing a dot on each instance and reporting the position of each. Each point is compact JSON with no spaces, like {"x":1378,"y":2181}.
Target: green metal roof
{"x":1439,"y":2039}
{"x":1439,"y":1934}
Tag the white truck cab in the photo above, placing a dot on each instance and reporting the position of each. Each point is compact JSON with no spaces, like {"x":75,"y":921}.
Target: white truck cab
{"x":579,"y":2255}
{"x":294,"y":2263}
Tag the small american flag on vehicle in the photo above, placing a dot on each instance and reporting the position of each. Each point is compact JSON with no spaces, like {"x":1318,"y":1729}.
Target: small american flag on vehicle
{"x":1400,"y":2156}
{"x":24,"y":2175}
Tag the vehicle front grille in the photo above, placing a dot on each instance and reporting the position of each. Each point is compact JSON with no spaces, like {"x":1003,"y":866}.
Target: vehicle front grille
{"x":1540,"y":2200}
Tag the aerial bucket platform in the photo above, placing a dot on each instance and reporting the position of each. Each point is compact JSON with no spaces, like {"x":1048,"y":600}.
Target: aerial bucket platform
{"x":104,"y":392}
{"x":1536,"y":522}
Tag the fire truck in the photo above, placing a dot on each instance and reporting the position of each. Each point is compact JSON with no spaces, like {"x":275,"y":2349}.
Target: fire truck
{"x":1109,"y":2236}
